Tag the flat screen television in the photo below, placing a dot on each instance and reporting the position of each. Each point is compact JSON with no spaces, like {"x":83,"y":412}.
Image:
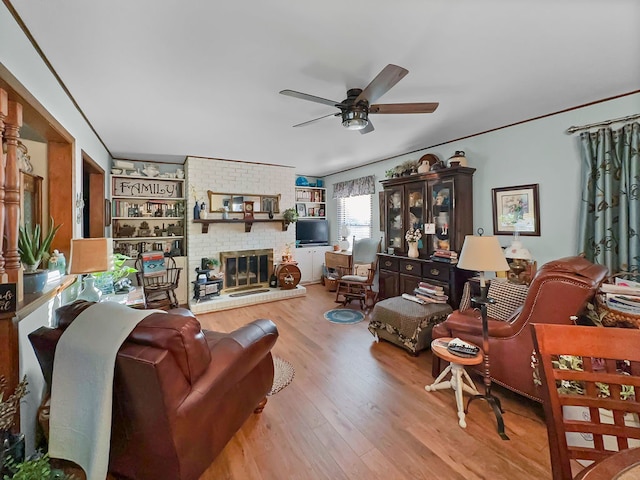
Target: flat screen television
{"x":312,"y":232}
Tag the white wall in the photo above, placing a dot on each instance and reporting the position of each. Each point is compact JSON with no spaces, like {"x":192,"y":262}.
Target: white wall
{"x":42,"y":316}
{"x":23,"y":62}
{"x":534,"y":152}
{"x":223,"y":176}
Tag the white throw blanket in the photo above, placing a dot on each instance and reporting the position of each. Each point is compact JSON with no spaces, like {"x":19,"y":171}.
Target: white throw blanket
{"x":82,"y":385}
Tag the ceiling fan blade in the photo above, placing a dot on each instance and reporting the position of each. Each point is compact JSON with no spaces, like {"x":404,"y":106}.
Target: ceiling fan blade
{"x":311,"y":98}
{"x":303,"y":124}
{"x":368,"y":128}
{"x":387,"y":78}
{"x":404,"y":107}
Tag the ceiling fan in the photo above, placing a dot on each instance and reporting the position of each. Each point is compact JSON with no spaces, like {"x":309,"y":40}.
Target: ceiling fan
{"x":355,"y":109}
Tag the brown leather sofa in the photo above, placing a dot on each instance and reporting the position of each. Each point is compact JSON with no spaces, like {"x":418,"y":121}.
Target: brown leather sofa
{"x":180,"y":393}
{"x":560,"y":289}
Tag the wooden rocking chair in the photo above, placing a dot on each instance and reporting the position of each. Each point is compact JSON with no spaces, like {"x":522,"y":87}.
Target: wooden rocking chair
{"x":352,"y":286}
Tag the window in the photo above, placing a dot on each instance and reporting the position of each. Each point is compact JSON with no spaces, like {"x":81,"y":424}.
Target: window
{"x":355,"y":213}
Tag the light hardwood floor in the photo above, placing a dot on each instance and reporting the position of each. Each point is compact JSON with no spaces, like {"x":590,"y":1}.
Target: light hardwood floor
{"x":358,"y":410}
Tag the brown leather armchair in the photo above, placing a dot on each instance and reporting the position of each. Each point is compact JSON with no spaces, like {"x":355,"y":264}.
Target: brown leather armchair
{"x":560,"y":289}
{"x":180,"y":393}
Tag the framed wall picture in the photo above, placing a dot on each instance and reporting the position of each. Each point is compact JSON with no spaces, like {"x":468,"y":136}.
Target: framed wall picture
{"x":516,"y":209}
{"x":302,"y":209}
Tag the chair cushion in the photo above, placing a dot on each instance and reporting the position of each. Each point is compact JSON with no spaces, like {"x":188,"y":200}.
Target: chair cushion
{"x":508,"y":296}
{"x":365,"y":250}
{"x":354,"y":278}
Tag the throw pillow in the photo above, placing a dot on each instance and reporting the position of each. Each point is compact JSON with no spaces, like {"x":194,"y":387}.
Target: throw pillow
{"x":508,"y":296}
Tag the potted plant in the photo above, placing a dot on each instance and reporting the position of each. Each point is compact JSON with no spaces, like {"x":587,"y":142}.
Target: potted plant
{"x":209,"y":263}
{"x":117,"y":279}
{"x":290,"y":215}
{"x":37,"y":467}
{"x":11,"y":445}
{"x":32,"y":249}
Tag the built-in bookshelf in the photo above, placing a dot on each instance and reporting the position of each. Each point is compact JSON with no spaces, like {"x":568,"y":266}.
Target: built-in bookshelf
{"x":148,"y":213}
{"x":311,"y":202}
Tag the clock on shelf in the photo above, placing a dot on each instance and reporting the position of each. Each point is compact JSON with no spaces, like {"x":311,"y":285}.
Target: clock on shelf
{"x":248,"y":210}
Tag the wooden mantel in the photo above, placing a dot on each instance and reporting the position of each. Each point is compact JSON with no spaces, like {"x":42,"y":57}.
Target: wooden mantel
{"x":248,"y":223}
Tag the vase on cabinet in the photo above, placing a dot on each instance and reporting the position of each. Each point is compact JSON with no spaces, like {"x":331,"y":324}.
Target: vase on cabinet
{"x":413,"y":250}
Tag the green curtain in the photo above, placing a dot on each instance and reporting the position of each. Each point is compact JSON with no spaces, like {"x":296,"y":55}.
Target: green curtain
{"x":610,"y":211}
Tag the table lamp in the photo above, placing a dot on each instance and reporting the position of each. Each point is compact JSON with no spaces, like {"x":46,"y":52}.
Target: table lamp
{"x":345,"y":231}
{"x":484,"y":254}
{"x":520,"y":256}
{"x":90,"y":255}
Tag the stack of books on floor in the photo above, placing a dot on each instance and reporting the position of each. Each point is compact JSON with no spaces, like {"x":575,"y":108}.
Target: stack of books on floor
{"x":624,"y":296}
{"x":445,"y":256}
{"x":430,"y":293}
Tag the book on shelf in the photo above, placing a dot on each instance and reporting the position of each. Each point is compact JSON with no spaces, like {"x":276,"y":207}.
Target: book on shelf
{"x":627,"y":283}
{"x":430,"y":299}
{"x":623,"y":303}
{"x":431,"y":286}
{"x":449,"y":260}
{"x":621,"y":289}
{"x":430,"y":293}
{"x":445,"y":253}
{"x":413,"y":298}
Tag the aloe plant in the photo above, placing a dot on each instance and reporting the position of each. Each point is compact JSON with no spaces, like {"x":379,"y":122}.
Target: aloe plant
{"x":32,"y":247}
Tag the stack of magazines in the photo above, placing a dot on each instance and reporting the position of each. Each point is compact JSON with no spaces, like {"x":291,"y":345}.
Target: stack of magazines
{"x":445,"y":256}
{"x":430,"y":293}
{"x":623,"y":296}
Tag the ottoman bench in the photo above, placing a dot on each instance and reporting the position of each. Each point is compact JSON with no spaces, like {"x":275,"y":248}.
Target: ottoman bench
{"x":405,"y":323}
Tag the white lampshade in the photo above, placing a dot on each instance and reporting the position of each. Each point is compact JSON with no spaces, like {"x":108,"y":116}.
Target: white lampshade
{"x":482,"y":254}
{"x":517,"y":250}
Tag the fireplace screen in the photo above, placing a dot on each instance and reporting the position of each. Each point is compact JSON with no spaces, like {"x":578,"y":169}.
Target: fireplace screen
{"x":246,"y":269}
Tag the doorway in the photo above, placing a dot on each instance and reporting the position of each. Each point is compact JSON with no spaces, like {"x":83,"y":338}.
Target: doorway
{"x":93,"y":214}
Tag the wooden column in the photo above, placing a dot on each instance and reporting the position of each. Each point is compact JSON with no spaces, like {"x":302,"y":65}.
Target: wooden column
{"x":12,"y":191}
{"x":4,"y":110}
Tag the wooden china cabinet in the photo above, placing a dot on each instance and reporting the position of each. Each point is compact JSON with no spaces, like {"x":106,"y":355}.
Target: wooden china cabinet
{"x":441,"y":199}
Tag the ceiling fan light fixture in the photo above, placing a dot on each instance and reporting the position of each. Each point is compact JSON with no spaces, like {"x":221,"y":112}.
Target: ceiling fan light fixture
{"x":355,"y":119}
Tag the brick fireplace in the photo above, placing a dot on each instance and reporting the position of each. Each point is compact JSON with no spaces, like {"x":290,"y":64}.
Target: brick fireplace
{"x":216,"y":175}
{"x":246,"y":269}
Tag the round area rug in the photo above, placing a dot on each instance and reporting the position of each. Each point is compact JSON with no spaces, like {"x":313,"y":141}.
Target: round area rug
{"x":344,"y":316}
{"x":283,"y":373}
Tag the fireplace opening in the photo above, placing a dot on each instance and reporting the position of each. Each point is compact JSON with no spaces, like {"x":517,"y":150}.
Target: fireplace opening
{"x":246,"y":269}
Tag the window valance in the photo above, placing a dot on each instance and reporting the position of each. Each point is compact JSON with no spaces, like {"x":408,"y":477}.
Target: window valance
{"x":351,"y":188}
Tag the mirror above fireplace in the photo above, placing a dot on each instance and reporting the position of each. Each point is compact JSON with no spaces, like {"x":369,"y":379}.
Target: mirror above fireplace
{"x":234,"y":202}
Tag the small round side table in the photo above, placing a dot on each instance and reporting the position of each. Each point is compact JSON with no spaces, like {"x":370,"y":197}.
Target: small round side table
{"x":458,"y":374}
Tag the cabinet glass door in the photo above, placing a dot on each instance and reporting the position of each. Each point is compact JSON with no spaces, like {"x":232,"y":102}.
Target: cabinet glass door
{"x":416,"y":209}
{"x":441,"y":211}
{"x":395,"y":221}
